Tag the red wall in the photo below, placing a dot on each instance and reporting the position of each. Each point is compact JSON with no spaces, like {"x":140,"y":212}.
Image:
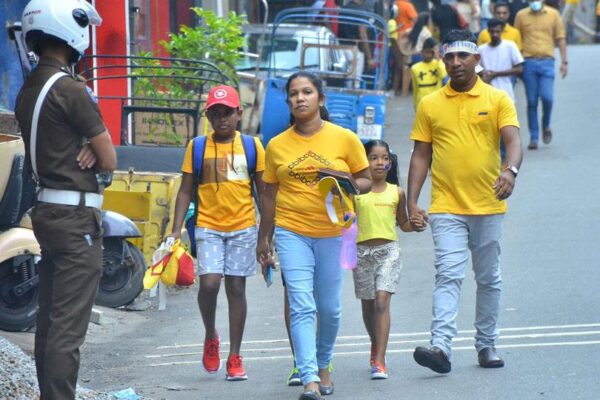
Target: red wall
{"x":111,"y":38}
{"x":160,"y":24}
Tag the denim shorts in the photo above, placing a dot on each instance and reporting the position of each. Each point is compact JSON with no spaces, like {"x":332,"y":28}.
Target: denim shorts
{"x":226,"y":253}
{"x":378,"y":269}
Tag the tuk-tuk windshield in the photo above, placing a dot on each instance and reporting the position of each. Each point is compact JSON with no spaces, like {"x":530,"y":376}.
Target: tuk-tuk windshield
{"x":284,"y":50}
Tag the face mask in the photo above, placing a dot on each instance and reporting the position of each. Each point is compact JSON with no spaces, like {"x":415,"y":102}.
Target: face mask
{"x":536,"y":5}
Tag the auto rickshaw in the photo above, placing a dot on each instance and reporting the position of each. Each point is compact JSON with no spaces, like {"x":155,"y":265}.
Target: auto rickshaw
{"x":354,"y":101}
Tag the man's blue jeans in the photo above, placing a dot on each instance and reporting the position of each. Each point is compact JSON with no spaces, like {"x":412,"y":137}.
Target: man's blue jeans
{"x":314,"y":278}
{"x":538,"y":76}
{"x":453,"y":237}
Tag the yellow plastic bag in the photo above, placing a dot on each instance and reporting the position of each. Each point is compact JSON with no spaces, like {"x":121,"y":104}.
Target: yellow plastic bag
{"x":171,"y":264}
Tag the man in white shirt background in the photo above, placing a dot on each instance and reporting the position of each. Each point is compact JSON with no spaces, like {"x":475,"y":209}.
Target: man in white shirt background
{"x":501,"y":59}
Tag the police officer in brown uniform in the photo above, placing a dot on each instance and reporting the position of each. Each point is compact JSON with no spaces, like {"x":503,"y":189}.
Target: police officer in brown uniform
{"x":67,"y":144}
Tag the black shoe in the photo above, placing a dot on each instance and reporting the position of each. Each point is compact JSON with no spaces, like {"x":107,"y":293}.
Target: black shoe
{"x":532,"y":145}
{"x":433,"y":358}
{"x":326,"y":390}
{"x":310,"y":395}
{"x":547,"y":135}
{"x":489,"y":359}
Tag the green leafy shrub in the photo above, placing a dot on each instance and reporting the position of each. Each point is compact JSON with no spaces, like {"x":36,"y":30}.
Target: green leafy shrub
{"x":216,"y":40}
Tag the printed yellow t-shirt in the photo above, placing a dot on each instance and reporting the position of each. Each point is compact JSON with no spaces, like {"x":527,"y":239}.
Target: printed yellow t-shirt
{"x":292,"y":161}
{"x":225,"y":199}
{"x":464,"y":130}
{"x":427,"y":78}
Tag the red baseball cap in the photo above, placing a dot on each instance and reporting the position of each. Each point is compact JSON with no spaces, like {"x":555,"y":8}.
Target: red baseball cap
{"x":223,"y":94}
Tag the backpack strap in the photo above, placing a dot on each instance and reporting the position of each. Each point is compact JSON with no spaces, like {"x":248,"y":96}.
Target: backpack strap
{"x":250,"y":151}
{"x":198,"y":148}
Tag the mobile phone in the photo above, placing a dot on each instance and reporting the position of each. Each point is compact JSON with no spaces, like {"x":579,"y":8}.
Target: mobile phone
{"x":269,"y":275}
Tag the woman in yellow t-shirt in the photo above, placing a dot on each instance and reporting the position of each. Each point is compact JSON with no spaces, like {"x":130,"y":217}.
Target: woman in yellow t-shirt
{"x":378,"y":270}
{"x":308,"y":243}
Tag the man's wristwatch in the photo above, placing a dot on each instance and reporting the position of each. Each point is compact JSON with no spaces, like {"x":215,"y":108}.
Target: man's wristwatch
{"x":513,"y":169}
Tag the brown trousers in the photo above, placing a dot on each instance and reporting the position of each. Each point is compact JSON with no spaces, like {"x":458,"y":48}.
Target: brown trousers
{"x":69,"y":272}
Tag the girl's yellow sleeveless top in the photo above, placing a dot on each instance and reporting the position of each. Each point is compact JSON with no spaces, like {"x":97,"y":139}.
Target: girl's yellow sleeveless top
{"x":376,"y":214}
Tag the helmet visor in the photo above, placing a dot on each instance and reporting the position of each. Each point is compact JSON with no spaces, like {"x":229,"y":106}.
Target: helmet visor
{"x":93,"y":16}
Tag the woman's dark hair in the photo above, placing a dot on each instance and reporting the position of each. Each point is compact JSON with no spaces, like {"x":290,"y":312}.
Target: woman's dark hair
{"x":413,"y":36}
{"x":317,"y":83}
{"x":314,"y":79}
{"x":393,"y":175}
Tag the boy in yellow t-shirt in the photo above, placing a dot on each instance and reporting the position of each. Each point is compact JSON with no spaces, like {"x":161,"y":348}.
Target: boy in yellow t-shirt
{"x":225,"y":231}
{"x":427,"y":75}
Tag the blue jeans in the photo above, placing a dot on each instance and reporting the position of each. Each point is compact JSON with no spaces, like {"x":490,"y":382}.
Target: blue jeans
{"x":314,"y":279}
{"x":538,"y":76}
{"x":453,"y":237}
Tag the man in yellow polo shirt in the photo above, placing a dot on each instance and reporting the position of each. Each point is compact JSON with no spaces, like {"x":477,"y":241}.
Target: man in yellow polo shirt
{"x":502,"y":12}
{"x":541,"y":27}
{"x":458,"y":129}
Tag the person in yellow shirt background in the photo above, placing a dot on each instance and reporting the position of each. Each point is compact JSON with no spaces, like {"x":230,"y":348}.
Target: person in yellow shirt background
{"x":428,"y":75}
{"x":308,"y":243}
{"x":541,"y":29}
{"x":569,"y":18}
{"x":225,"y":232}
{"x":502,"y":12}
{"x":598,"y":21}
{"x":457,"y":130}
{"x":396,"y":58}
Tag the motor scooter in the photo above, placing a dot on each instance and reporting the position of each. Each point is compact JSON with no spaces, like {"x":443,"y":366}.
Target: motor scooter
{"x":123,"y":265}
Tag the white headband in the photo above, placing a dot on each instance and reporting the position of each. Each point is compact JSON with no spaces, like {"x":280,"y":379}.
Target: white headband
{"x":459,"y":47}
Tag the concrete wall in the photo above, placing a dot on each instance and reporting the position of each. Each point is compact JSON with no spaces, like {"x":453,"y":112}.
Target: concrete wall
{"x":10,"y":67}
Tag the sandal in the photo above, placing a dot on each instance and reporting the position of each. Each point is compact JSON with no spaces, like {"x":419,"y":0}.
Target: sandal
{"x":310,"y":395}
{"x":326,"y":390}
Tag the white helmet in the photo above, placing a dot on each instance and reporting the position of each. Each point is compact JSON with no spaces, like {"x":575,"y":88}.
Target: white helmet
{"x":67,"y":20}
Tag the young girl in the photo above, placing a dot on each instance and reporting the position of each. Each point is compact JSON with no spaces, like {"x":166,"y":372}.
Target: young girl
{"x":378,"y":270}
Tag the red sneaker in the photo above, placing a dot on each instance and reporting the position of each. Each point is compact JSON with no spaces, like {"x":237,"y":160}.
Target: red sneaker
{"x":235,"y":369}
{"x":210,"y":359}
{"x":379,"y":371}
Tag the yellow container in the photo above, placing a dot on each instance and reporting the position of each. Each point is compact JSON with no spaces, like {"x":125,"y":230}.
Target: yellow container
{"x":148,"y":199}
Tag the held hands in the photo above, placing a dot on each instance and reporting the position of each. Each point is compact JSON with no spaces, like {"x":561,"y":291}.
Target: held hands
{"x":86,"y":157}
{"x":418,"y":218}
{"x":504,"y":185}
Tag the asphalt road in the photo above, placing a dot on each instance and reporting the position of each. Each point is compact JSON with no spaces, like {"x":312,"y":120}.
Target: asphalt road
{"x":550,"y":324}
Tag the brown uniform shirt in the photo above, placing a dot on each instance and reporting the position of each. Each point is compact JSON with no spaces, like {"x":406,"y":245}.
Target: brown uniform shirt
{"x":67,"y":117}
